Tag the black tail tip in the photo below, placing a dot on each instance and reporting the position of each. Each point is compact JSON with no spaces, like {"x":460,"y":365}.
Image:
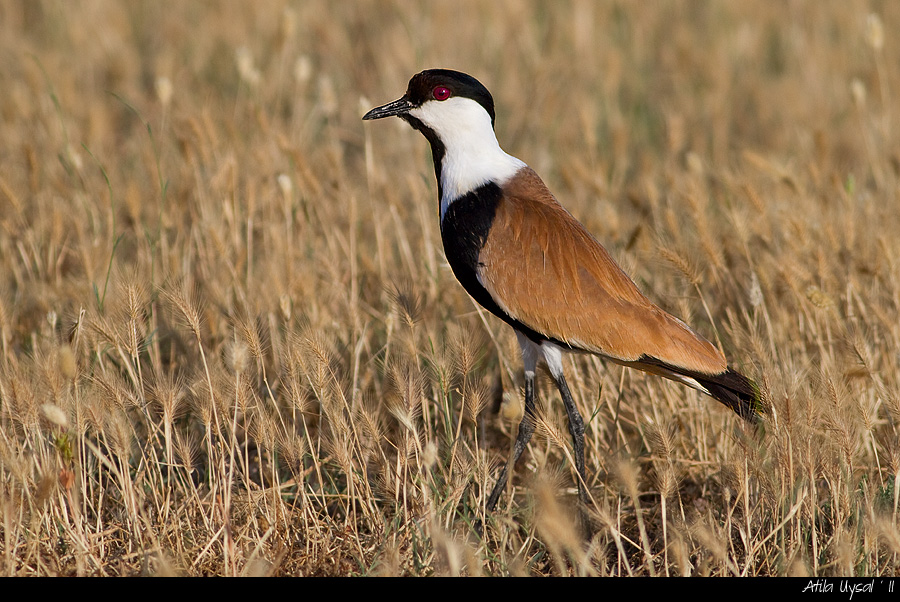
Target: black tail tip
{"x":742,"y":395}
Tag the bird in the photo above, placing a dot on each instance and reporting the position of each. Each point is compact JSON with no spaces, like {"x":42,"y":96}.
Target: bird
{"x":522,"y":256}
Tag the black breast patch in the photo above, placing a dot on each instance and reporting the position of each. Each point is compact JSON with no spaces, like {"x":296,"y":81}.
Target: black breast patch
{"x":464,"y":230}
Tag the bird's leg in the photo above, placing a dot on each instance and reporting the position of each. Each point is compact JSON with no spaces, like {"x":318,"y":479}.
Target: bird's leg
{"x":526,"y":429}
{"x":576,"y":427}
{"x":553,"y":357}
{"x":531,"y":352}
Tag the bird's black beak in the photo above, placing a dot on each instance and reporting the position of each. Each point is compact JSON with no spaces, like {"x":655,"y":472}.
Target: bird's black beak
{"x":400,"y":106}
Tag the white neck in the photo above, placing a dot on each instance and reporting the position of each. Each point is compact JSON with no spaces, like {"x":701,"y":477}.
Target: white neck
{"x":472,"y":156}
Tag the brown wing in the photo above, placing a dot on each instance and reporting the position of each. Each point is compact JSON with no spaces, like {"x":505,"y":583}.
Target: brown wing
{"x":546,"y":270}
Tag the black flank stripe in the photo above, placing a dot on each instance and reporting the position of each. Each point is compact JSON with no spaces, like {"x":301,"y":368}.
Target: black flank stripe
{"x":464,"y":230}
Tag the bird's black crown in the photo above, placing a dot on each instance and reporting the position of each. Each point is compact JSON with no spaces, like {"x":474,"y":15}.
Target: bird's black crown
{"x":422,"y":85}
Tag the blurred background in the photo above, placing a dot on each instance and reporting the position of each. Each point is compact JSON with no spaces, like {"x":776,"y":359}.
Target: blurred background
{"x":228,"y":334}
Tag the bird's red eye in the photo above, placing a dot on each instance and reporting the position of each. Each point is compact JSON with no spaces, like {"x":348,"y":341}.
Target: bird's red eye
{"x":441,"y":93}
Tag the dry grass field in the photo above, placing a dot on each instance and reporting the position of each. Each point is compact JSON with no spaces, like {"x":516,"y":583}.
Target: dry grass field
{"x":230,"y":343}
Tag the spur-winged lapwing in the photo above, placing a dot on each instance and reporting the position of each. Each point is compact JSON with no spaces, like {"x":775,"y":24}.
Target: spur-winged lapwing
{"x":523,"y":257}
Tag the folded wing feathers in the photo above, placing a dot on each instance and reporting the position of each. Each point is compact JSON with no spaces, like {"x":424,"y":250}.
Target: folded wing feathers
{"x":546,"y":270}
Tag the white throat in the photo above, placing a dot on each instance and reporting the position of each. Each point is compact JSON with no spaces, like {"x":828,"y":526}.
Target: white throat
{"x":472,"y":156}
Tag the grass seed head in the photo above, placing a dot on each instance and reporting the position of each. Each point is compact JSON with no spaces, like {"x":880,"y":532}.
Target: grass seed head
{"x":874,"y":31}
